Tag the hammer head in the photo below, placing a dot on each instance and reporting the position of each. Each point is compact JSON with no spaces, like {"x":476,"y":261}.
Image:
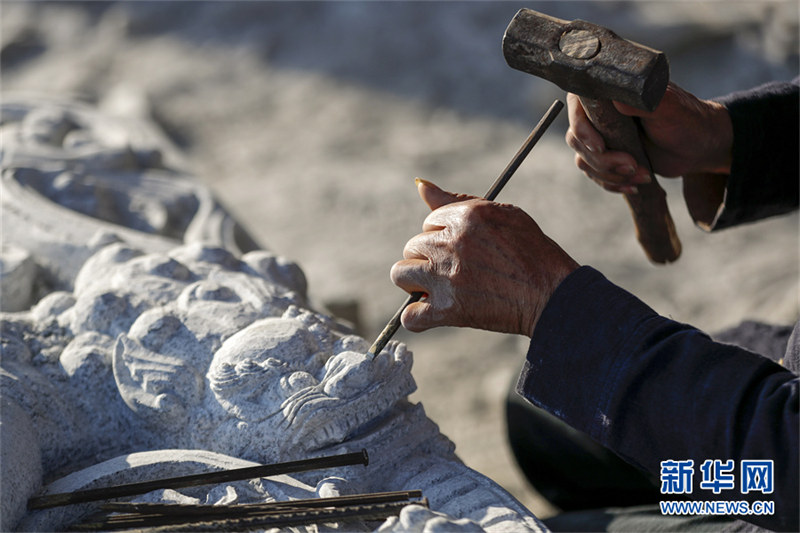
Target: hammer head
{"x":586,"y":59}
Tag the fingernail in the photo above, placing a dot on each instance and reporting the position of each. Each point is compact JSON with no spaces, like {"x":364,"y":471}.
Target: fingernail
{"x":625,"y":170}
{"x":629,"y":189}
{"x":594,"y":148}
{"x":420,"y":181}
{"x":642,"y":178}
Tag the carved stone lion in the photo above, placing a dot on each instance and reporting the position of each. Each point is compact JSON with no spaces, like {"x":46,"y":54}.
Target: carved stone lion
{"x":168,"y":344}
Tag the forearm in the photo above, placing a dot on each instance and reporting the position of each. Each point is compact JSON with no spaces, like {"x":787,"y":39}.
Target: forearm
{"x":652,"y":389}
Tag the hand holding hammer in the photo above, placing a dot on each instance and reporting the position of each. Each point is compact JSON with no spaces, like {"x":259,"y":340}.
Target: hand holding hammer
{"x":599,"y":66}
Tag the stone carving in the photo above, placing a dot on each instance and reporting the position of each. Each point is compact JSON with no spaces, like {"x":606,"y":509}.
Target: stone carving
{"x":71,"y":173}
{"x":153,"y":344}
{"x":18,"y":276}
{"x":143,"y":466}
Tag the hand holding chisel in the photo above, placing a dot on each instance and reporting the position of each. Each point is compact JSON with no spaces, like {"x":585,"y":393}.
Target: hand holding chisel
{"x":394,"y":323}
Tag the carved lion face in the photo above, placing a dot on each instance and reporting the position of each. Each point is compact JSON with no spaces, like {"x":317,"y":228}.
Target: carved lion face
{"x":297,"y":388}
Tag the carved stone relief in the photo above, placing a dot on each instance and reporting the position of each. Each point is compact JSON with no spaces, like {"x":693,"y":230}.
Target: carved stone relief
{"x":153,"y":336}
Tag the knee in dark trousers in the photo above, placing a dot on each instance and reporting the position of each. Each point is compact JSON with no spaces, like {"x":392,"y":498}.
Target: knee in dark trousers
{"x":566,"y":466}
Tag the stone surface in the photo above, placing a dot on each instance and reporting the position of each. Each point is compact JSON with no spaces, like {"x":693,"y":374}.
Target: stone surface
{"x":197,"y":349}
{"x":17,"y":274}
{"x":20,"y":462}
{"x":145,"y":466}
{"x":156,"y":345}
{"x":72,"y":175}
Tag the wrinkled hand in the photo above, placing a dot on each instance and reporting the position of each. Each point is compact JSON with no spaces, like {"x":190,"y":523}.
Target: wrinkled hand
{"x":684,"y":136}
{"x":481,"y":264}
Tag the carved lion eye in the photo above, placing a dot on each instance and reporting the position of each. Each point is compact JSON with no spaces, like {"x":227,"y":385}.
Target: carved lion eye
{"x":297,"y":381}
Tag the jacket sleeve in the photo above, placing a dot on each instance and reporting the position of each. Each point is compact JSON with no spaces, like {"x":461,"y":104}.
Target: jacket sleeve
{"x":652,"y":389}
{"x":765,"y":171}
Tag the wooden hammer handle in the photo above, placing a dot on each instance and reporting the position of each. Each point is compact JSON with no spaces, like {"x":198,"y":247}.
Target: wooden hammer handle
{"x":655,"y":230}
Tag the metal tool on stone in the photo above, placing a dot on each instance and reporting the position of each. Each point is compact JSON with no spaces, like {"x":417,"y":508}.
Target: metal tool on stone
{"x":194,"y":480}
{"x":289,"y":518}
{"x":235,"y":517}
{"x":600,"y":66}
{"x":394,"y":323}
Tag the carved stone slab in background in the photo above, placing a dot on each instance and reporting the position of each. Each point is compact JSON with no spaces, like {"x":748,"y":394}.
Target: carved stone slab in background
{"x":71,"y":174}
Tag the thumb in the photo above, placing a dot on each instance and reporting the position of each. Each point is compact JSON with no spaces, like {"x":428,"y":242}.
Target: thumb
{"x":435,"y":197}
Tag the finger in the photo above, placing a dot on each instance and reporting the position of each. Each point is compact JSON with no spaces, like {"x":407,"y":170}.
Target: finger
{"x":417,"y":317}
{"x":618,"y":162}
{"x":447,"y":216}
{"x":436,"y":309}
{"x":615,"y":167}
{"x":581,"y":126}
{"x":618,"y":168}
{"x":411,"y":275}
{"x":576,"y":144}
{"x":599,"y":178}
{"x":621,"y":189}
{"x":419,"y":247}
{"x":608,"y":181}
{"x":435,"y":197}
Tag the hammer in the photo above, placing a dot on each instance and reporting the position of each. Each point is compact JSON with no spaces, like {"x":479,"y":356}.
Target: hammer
{"x":600,"y":66}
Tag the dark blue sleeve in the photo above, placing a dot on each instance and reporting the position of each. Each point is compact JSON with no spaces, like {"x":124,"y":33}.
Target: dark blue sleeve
{"x":765,"y":171}
{"x":652,"y":389}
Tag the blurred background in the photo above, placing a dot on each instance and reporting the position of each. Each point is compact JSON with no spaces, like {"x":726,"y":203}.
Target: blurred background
{"x":311,"y":120}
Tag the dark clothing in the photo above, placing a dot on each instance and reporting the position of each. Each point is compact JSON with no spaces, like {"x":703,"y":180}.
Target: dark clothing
{"x":651,"y":389}
{"x":766,"y":137}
